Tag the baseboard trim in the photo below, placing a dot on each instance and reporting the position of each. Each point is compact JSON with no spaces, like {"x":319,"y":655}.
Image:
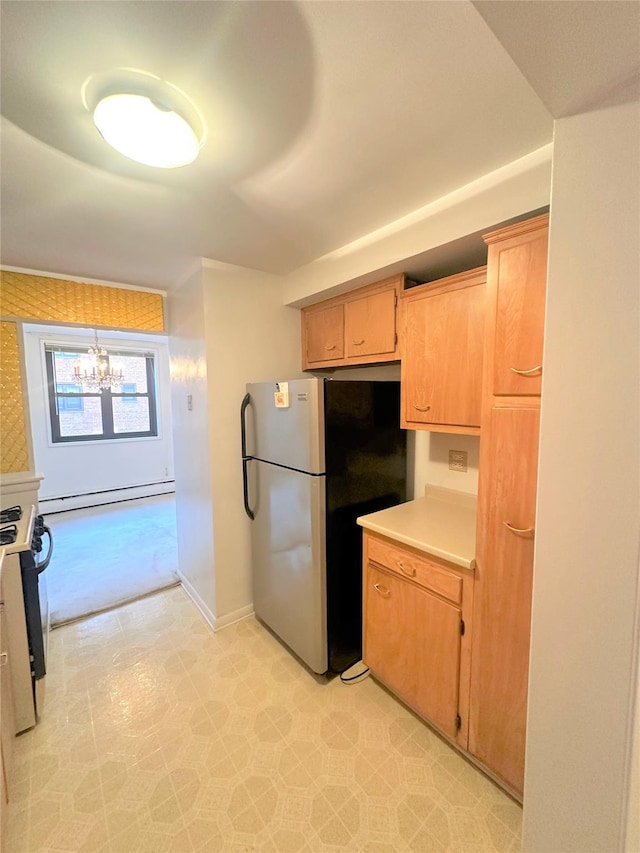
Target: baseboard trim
{"x":235,"y":616}
{"x":216,"y":624}
{"x":127,"y":493}
{"x":209,"y":618}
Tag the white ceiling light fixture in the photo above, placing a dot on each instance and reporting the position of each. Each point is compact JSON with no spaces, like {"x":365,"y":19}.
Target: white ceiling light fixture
{"x":145,"y":118}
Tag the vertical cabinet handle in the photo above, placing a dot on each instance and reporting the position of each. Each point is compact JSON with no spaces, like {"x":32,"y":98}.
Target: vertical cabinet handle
{"x":3,"y":658}
{"x":530,"y":372}
{"x":382,"y":590}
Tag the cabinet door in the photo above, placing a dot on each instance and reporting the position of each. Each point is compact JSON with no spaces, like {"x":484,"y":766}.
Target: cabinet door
{"x":7,"y":720}
{"x":519,"y":266}
{"x":442,"y":357}
{"x":502,"y":597}
{"x":412,"y":643}
{"x":324,"y":334}
{"x":370,"y":325}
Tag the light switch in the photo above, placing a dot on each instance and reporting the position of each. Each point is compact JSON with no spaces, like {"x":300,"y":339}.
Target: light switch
{"x":189,"y":402}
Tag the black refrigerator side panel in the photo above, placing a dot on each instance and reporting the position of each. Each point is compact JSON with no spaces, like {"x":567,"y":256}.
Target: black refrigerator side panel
{"x":366,"y":463}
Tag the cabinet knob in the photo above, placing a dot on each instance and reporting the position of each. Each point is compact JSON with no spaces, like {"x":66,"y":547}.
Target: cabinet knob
{"x":357,"y":343}
{"x":329,"y":346}
{"x":421,"y":408}
{"x":530,"y":372}
{"x":410,"y":570}
{"x":384,"y":592}
{"x":520,"y":531}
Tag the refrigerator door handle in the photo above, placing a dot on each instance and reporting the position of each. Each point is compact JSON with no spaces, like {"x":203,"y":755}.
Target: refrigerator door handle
{"x":246,"y":402}
{"x":245,"y":489}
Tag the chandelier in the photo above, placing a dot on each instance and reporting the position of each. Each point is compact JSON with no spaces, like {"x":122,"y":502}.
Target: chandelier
{"x":94,"y":372}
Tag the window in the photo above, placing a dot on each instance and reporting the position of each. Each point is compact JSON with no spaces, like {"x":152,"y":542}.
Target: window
{"x":129,"y":411}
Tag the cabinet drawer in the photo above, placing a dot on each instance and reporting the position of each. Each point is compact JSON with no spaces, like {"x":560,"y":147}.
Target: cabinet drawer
{"x":415,"y":568}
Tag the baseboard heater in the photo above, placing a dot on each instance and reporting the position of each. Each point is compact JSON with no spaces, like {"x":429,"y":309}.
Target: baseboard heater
{"x":85,"y":500}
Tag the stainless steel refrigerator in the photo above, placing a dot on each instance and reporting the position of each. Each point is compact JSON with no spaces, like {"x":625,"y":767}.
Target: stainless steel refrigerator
{"x":316,"y":454}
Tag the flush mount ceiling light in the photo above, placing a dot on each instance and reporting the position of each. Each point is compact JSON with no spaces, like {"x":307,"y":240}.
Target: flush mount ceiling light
{"x":145,"y":118}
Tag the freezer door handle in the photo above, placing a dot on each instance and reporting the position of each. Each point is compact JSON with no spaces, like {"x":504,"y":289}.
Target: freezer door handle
{"x":245,"y":489}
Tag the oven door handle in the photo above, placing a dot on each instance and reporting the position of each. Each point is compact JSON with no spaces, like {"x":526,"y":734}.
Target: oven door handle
{"x":43,"y":565}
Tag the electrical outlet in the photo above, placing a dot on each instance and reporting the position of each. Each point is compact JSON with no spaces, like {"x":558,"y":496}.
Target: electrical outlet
{"x":457,"y":460}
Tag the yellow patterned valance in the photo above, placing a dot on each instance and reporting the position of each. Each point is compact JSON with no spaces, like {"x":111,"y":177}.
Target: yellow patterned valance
{"x":14,"y":456}
{"x":37,"y":297}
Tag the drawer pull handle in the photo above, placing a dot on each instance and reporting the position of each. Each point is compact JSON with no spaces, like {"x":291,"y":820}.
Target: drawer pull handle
{"x":3,"y":658}
{"x":421,"y":408}
{"x":358,"y":343}
{"x":329,"y":346}
{"x":537,"y":369}
{"x":384,"y":592}
{"x":520,"y":531}
{"x":410,"y":571}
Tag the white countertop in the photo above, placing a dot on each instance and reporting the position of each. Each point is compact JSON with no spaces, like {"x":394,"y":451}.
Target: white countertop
{"x":443,"y":523}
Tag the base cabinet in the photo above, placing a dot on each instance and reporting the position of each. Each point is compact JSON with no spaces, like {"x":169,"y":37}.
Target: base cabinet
{"x":7,"y":723}
{"x":413,"y":632}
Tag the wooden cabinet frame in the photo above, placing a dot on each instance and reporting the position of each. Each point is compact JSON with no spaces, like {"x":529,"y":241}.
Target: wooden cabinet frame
{"x":507,"y":496}
{"x":358,"y":327}
{"x":442,"y":343}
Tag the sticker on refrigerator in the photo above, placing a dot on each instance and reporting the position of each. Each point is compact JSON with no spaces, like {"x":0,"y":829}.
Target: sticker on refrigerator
{"x":281,"y":395}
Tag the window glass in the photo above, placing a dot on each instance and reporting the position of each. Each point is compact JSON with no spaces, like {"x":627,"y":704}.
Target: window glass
{"x":64,"y":365}
{"x":134,"y":371}
{"x":131,"y":414}
{"x":85,"y":421}
{"x":79,"y":411}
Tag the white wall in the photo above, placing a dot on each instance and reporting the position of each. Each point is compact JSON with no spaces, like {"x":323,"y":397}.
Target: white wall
{"x":191,"y":428}
{"x":582,"y":678}
{"x":83,"y":467}
{"x":510,"y":191}
{"x":432,"y":462}
{"x":227,"y":327}
{"x":251,"y":337}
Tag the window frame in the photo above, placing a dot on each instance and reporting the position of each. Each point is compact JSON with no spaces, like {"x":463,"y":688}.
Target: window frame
{"x":106,"y":398}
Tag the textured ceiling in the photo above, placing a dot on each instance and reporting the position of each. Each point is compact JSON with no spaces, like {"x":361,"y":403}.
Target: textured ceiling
{"x":326,"y":121}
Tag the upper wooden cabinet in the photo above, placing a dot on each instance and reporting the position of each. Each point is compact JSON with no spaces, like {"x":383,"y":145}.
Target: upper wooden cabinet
{"x":442,"y":338}
{"x":324,"y":334}
{"x":517,"y":275}
{"x":370,"y":324}
{"x":356,"y":328}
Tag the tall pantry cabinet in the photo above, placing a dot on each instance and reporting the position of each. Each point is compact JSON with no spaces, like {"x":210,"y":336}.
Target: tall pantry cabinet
{"x":516,"y":281}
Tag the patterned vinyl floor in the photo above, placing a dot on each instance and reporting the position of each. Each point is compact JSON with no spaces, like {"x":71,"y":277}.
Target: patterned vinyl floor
{"x":159,"y":735}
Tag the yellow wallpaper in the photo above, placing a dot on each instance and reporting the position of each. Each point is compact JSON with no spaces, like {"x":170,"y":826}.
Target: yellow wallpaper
{"x":14,"y":456}
{"x":36,"y":297}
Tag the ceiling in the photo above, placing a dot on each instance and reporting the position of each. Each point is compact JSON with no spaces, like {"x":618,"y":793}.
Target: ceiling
{"x":325,"y":121}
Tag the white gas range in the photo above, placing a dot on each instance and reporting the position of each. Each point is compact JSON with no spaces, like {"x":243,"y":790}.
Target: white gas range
{"x":24,"y":596}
